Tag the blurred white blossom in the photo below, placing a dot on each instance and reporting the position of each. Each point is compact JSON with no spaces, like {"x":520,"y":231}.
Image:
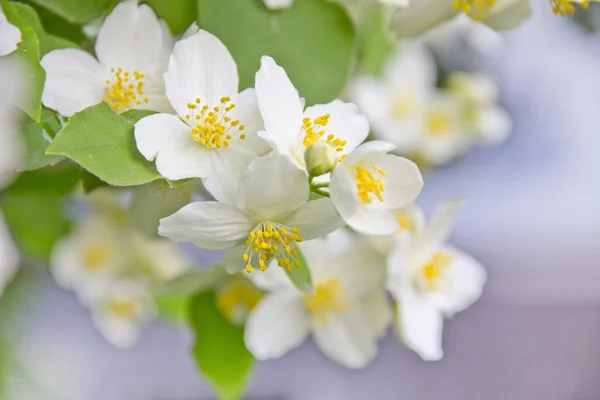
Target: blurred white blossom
{"x":431,"y":280}
{"x":10,"y":35}
{"x":132,"y":50}
{"x":346,"y":313}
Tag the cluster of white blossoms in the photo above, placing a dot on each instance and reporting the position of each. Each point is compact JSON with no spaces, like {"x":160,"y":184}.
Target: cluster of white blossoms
{"x":429,"y":124}
{"x":114,"y":269}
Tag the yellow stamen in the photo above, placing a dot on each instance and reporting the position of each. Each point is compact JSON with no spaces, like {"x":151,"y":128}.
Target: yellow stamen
{"x":236,"y":300}
{"x":213,"y":127}
{"x":564,"y":7}
{"x":123,"y":90}
{"x":476,"y":9}
{"x":314,"y":133}
{"x":95,"y":256}
{"x":327,"y":299}
{"x":121,"y":308}
{"x":434,"y":269}
{"x":270,"y":241}
{"x":367,"y":186}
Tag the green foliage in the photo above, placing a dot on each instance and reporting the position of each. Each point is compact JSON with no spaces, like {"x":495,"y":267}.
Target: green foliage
{"x":376,"y":40}
{"x":219,"y":348}
{"x":300,"y":276}
{"x":27,"y":56}
{"x":313,"y":40}
{"x":103,"y":143}
{"x":37,"y":139}
{"x":178,"y":14}
{"x":77,"y":11}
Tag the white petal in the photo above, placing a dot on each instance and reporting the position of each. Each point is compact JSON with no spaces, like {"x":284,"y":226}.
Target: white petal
{"x":130,"y":38}
{"x":421,"y":16}
{"x":278,"y":324}
{"x":467,"y":277}
{"x":9,"y":263}
{"x":441,"y":223}
{"x":191,"y":30}
{"x":200,"y":67}
{"x":280,"y":106}
{"x":278,"y":4}
{"x":371,"y":150}
{"x":413,"y":67}
{"x":209,"y":225}
{"x":315,"y":218}
{"x":373,"y":221}
{"x":495,"y":125}
{"x":378,"y":311}
{"x":119,"y":332}
{"x":272,"y":279}
{"x":232,"y":259}
{"x":345,"y":122}
{"x":372,"y":97}
{"x":403,"y":181}
{"x":248,"y":113}
{"x":508,"y":14}
{"x":343,"y":192}
{"x":74,"y":81}
{"x":166,"y":138}
{"x":272,"y":186}
{"x":347,"y":339}
{"x":420,"y":326}
{"x":10,"y":36}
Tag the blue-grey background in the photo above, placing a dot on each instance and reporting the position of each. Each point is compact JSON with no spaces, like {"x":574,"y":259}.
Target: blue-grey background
{"x":531,"y":217}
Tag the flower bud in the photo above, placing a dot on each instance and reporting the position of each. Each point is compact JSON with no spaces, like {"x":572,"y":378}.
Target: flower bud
{"x":320,"y":158}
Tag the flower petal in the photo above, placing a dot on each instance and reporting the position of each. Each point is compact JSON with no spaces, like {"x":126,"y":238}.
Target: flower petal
{"x":280,"y":106}
{"x":343,"y":192}
{"x":74,"y":81}
{"x":440,"y":224}
{"x":345,"y":122}
{"x":200,"y":67}
{"x":166,"y":138}
{"x":272,"y":186}
{"x":9,"y":263}
{"x":420,"y":16}
{"x":272,"y":279}
{"x":508,"y":14}
{"x":347,"y":339}
{"x":278,"y":4}
{"x":420,"y":325}
{"x":315,"y":218}
{"x":119,"y":332}
{"x":210,"y":225}
{"x":373,"y":221}
{"x":248,"y":113}
{"x":371,"y":150}
{"x":278,"y":324}
{"x":131,"y":38}
{"x":10,"y":36}
{"x":403,"y":181}
{"x":378,"y":311}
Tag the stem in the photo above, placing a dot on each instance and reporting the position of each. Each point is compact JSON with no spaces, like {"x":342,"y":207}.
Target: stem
{"x":319,"y":192}
{"x":319,"y":185}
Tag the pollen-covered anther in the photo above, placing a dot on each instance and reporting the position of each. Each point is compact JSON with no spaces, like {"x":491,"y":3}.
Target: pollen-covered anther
{"x":124,"y":89}
{"x":367,"y":185}
{"x":314,"y":133}
{"x":270,"y":241}
{"x":476,"y":9}
{"x":564,"y":7}
{"x":327,"y":299}
{"x":434,"y":269}
{"x":213,"y":127}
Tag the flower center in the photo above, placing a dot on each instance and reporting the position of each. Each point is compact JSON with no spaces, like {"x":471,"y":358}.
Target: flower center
{"x":437,"y":122}
{"x":314,"y":133}
{"x":124,"y":89}
{"x":95,"y":256}
{"x":404,"y":221}
{"x":367,"y":185}
{"x":213,"y":127}
{"x":432,"y":271}
{"x":403,"y":106}
{"x":268,"y":241}
{"x":121,"y":308}
{"x":476,"y":9}
{"x":563,"y":7}
{"x":328,"y":298}
{"x":236,"y":301}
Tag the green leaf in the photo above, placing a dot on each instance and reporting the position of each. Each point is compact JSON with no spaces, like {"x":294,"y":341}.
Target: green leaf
{"x":178,"y":14}
{"x":91,"y":182}
{"x":36,"y":221}
{"x":57,"y":180}
{"x":77,"y":11}
{"x":376,"y":40}
{"x":103,"y":143}
{"x":37,"y":139}
{"x":172,"y":307}
{"x":300,"y":276}
{"x":195,"y":281}
{"x":313,"y":40}
{"x":156,"y":200}
{"x":27,"y":56}
{"x":219,"y":349}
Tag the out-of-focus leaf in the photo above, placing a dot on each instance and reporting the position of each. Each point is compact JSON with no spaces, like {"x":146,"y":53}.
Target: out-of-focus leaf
{"x":37,"y":139}
{"x":219,"y":349}
{"x":195,"y":281}
{"x":27,"y":57}
{"x":57,"y":180}
{"x":300,"y":276}
{"x":376,"y":40}
{"x":178,"y":14}
{"x":103,"y":143}
{"x":313,"y":40}
{"x":91,"y":182}
{"x":77,"y":11}
{"x":172,"y":307}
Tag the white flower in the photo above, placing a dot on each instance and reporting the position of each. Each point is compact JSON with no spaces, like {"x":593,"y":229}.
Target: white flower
{"x":214,"y":137}
{"x":422,"y":15}
{"x":346,"y":313}
{"x":290,"y":129}
{"x":278,"y":4}
{"x":10,"y":36}
{"x":132,"y":50}
{"x":121,"y":310}
{"x":271,"y":212}
{"x":160,"y":259}
{"x":9,"y":260}
{"x":91,"y":256}
{"x":11,"y":144}
{"x":370,"y":183}
{"x":490,"y":123}
{"x":431,"y":281}
{"x":411,"y":222}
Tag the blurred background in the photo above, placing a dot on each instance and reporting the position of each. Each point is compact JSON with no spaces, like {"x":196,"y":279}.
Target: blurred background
{"x":530,"y":217}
